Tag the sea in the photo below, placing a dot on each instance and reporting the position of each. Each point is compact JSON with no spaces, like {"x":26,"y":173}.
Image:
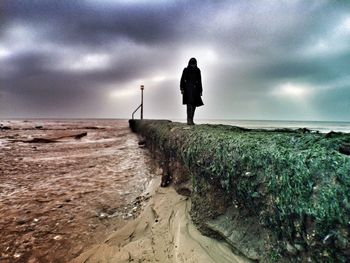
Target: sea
{"x":320,"y":126}
{"x":63,"y":195}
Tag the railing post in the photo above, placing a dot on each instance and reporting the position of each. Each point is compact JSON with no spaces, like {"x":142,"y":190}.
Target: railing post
{"x":140,"y":106}
{"x":142,"y":88}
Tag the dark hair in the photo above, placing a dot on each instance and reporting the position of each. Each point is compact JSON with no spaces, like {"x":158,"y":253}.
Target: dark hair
{"x":192,"y":62}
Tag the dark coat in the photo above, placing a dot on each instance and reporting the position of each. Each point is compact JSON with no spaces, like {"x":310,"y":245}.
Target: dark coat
{"x":191,"y":85}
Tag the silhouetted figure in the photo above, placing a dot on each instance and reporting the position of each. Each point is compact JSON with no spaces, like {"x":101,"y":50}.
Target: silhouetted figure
{"x":191,"y":89}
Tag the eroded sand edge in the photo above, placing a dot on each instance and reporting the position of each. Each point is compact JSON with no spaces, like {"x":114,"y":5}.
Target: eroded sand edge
{"x":162,"y":233}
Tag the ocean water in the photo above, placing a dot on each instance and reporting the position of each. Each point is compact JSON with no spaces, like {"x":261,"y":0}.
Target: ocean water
{"x":71,"y":193}
{"x":321,"y":126}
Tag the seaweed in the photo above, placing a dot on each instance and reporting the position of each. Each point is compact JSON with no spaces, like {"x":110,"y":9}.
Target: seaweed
{"x":296,"y":183}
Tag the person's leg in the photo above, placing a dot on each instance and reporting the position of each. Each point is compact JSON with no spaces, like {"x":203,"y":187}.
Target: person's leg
{"x":189,"y":113}
{"x":192,"y":114}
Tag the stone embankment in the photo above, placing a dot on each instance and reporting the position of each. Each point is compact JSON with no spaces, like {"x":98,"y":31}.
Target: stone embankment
{"x":274,"y":196}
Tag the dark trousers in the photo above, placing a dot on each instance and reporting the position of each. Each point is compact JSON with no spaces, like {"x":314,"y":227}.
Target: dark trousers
{"x":190,"y":113}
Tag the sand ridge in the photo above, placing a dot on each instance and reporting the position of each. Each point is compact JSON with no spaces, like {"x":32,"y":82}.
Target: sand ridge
{"x":162,"y":233}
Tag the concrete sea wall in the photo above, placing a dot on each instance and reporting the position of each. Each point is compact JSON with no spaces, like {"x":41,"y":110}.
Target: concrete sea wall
{"x":274,"y":196}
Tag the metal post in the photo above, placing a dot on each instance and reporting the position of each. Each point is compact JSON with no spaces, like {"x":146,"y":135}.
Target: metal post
{"x":142,"y":88}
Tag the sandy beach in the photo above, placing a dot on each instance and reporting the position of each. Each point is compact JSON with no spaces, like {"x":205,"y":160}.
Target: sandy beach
{"x":163,"y":232}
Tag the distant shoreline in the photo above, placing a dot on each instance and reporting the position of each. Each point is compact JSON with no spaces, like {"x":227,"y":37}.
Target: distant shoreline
{"x":321,"y":126}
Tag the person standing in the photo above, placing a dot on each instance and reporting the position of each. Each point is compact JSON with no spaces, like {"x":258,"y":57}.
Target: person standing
{"x":191,"y":89}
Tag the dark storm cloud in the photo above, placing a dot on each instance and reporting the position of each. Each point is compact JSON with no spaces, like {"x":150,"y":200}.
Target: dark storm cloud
{"x":93,"y":23}
{"x":30,"y":63}
{"x":67,"y":57}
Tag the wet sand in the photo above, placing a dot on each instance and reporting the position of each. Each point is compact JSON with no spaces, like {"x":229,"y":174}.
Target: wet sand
{"x":163,"y":233}
{"x":61,"y":197}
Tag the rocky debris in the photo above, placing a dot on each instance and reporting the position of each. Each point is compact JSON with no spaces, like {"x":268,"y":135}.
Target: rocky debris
{"x":2,"y":127}
{"x":58,"y":237}
{"x":142,"y":143}
{"x":52,"y":139}
{"x":102,"y":215}
{"x":344,"y":148}
{"x":93,"y":128}
{"x":131,"y":210}
{"x":332,"y":134}
{"x":303,"y":130}
{"x":291,"y":249}
{"x":185,"y":191}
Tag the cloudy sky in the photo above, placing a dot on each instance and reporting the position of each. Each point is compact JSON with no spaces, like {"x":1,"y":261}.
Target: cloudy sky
{"x":260,"y":59}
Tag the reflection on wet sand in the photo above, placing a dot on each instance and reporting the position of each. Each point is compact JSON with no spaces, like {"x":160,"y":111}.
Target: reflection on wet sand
{"x":59,"y":197}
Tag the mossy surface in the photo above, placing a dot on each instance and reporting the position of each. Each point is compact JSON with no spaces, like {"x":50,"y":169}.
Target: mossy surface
{"x":296,"y":183}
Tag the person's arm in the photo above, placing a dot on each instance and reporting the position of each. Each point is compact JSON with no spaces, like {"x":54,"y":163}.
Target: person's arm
{"x":183,"y":81}
{"x":200,"y":83}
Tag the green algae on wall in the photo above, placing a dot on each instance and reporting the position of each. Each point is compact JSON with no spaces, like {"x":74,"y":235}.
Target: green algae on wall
{"x":295,"y":184}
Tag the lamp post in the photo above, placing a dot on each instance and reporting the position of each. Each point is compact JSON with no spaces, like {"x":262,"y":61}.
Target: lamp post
{"x":142,"y":88}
